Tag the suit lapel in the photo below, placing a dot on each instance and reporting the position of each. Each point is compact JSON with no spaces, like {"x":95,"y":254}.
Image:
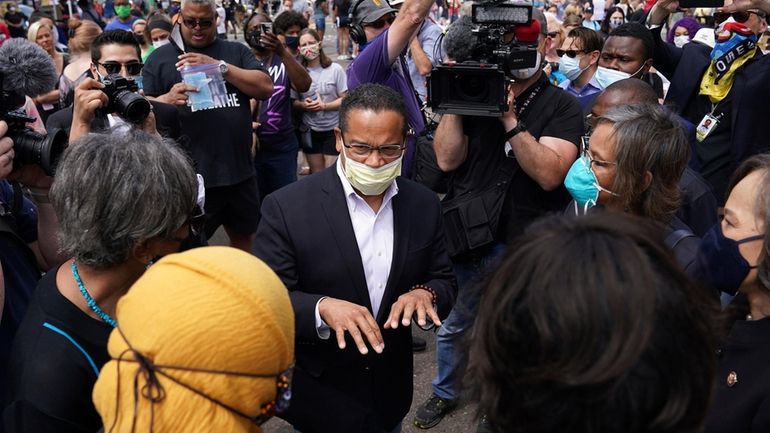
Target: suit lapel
{"x":400,"y":246}
{"x":336,"y":210}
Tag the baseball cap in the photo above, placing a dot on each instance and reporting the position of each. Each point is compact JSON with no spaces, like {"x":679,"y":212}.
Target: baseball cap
{"x":369,"y":11}
{"x":588,"y":9}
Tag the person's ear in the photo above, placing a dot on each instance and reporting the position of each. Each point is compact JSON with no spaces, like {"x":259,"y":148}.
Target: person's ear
{"x":647,"y":66}
{"x":647,"y":180}
{"x":595,"y":57}
{"x":338,"y":140}
{"x":94,"y":72}
{"x":143,"y":251}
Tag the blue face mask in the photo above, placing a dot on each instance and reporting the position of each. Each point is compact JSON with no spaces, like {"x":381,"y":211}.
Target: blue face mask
{"x":582,"y":184}
{"x":720,"y":263}
{"x":570,"y":66}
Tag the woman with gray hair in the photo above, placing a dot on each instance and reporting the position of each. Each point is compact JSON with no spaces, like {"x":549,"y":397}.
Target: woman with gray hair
{"x":121,"y":200}
{"x":635,"y":158}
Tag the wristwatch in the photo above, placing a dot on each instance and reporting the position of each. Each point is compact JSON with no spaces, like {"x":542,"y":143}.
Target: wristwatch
{"x":223,"y":69}
{"x":520,"y":127}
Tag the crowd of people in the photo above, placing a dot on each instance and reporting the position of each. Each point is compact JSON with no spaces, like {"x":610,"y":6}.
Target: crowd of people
{"x":593,"y":256}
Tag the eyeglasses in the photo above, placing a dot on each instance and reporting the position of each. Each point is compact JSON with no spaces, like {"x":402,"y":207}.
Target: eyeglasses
{"x":599,"y":162}
{"x":192,"y":23}
{"x":740,"y":16}
{"x":364,"y":150}
{"x":380,"y":23}
{"x":195,"y":222}
{"x":570,"y":53}
{"x":132,"y":68}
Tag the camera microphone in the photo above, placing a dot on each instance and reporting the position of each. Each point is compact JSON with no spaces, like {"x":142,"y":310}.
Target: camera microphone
{"x":27,"y":67}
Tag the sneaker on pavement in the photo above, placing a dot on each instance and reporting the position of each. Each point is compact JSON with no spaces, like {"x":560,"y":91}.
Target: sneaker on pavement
{"x":433,"y":411}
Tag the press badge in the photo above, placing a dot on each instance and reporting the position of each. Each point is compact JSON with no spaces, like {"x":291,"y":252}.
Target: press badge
{"x":705,"y":127}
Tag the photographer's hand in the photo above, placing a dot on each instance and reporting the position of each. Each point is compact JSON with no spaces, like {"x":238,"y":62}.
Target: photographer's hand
{"x":6,"y":152}
{"x":661,"y":10}
{"x":88,"y":99}
{"x":509,"y":118}
{"x":742,"y":5}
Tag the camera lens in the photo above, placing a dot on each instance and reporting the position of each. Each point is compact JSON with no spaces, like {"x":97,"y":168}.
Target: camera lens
{"x":38,"y":149}
{"x":473,"y":87}
{"x":132,"y":107}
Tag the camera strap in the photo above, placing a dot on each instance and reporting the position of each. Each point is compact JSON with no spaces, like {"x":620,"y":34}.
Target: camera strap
{"x":522,"y":109}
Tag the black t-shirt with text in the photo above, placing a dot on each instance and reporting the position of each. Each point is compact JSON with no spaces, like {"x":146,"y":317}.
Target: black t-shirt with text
{"x":50,"y":377}
{"x":552,"y":113}
{"x":220,"y":138}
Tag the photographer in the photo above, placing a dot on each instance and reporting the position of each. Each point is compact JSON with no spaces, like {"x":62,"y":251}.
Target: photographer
{"x":114,"y":53}
{"x":28,"y":244}
{"x":721,"y":90}
{"x":507,"y":170}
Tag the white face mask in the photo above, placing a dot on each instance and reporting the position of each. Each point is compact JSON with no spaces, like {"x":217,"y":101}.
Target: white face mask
{"x":371,"y":181}
{"x":160,"y":43}
{"x":616,"y":22}
{"x":606,"y":77}
{"x":679,"y":41}
{"x":570,"y":67}
{"x":523,"y":74}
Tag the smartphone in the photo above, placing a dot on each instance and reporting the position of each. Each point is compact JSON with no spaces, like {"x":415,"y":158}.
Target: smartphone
{"x":267,"y":28}
{"x":701,"y":3}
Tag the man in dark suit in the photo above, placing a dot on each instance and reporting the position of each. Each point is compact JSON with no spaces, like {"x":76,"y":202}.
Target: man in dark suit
{"x":727,"y":110}
{"x":112,"y":52}
{"x":361,"y":253}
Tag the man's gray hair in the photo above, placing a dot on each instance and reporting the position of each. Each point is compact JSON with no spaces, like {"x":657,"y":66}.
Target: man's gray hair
{"x":113,"y":191}
{"x":212,"y":4}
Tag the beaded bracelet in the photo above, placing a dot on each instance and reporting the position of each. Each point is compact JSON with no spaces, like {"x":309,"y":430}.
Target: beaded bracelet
{"x":430,"y":290}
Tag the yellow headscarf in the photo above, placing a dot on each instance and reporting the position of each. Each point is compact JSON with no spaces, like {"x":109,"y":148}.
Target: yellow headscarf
{"x":214,"y":308}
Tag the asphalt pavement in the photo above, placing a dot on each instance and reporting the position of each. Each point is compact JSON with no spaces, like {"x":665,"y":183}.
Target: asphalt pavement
{"x":462,"y":419}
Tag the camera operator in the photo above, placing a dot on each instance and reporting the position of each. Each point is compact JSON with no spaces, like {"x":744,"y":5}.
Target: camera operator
{"x":28,"y":242}
{"x":113,"y":53}
{"x":508,"y":170}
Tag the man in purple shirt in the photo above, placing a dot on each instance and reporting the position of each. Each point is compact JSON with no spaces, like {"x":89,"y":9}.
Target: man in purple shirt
{"x":381,"y":59}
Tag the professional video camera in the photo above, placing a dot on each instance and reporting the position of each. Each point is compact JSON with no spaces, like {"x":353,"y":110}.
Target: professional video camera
{"x":26,"y":69}
{"x":478,"y":87}
{"x":124,"y":100}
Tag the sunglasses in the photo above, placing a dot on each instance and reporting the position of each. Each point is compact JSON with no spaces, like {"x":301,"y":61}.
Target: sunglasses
{"x":133,"y":68}
{"x":552,"y":34}
{"x":740,"y":16}
{"x":570,"y":53}
{"x":380,"y":23}
{"x":192,"y":23}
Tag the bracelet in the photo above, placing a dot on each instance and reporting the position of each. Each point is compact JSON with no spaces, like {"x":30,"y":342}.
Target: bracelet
{"x":40,"y":198}
{"x":430,"y":290}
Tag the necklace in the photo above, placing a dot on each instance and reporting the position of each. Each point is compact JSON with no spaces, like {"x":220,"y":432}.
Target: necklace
{"x":91,"y":302}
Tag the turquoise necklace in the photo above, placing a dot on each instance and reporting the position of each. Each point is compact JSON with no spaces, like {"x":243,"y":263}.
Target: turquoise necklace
{"x":91,"y":302}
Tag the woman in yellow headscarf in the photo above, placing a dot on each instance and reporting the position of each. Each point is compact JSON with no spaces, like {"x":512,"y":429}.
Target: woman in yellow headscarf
{"x":205,"y":342}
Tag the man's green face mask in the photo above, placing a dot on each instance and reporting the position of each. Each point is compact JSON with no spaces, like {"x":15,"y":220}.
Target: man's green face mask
{"x":123,"y":11}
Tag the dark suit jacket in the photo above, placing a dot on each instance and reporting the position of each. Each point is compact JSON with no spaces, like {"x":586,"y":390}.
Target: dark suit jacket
{"x":685,"y":66}
{"x":306,"y":237}
{"x":166,"y":121}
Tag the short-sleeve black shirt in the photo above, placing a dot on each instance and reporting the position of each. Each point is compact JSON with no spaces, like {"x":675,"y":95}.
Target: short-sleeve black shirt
{"x":220,"y":138}
{"x":553,"y":113}
{"x":50,"y":378}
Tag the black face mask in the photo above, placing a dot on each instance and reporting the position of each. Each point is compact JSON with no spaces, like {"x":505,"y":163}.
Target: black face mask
{"x":140,"y":38}
{"x":292,"y":42}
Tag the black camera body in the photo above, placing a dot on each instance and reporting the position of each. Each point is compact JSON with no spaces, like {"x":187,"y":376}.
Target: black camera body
{"x":124,"y":100}
{"x":29,"y":147}
{"x":477,"y":87}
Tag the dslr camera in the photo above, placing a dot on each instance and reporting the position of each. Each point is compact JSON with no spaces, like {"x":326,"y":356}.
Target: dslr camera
{"x":124,"y":100}
{"x":30,"y":147}
{"x":478,"y":87}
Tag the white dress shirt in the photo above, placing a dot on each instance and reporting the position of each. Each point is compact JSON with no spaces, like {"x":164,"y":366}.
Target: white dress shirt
{"x":374,"y":235}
